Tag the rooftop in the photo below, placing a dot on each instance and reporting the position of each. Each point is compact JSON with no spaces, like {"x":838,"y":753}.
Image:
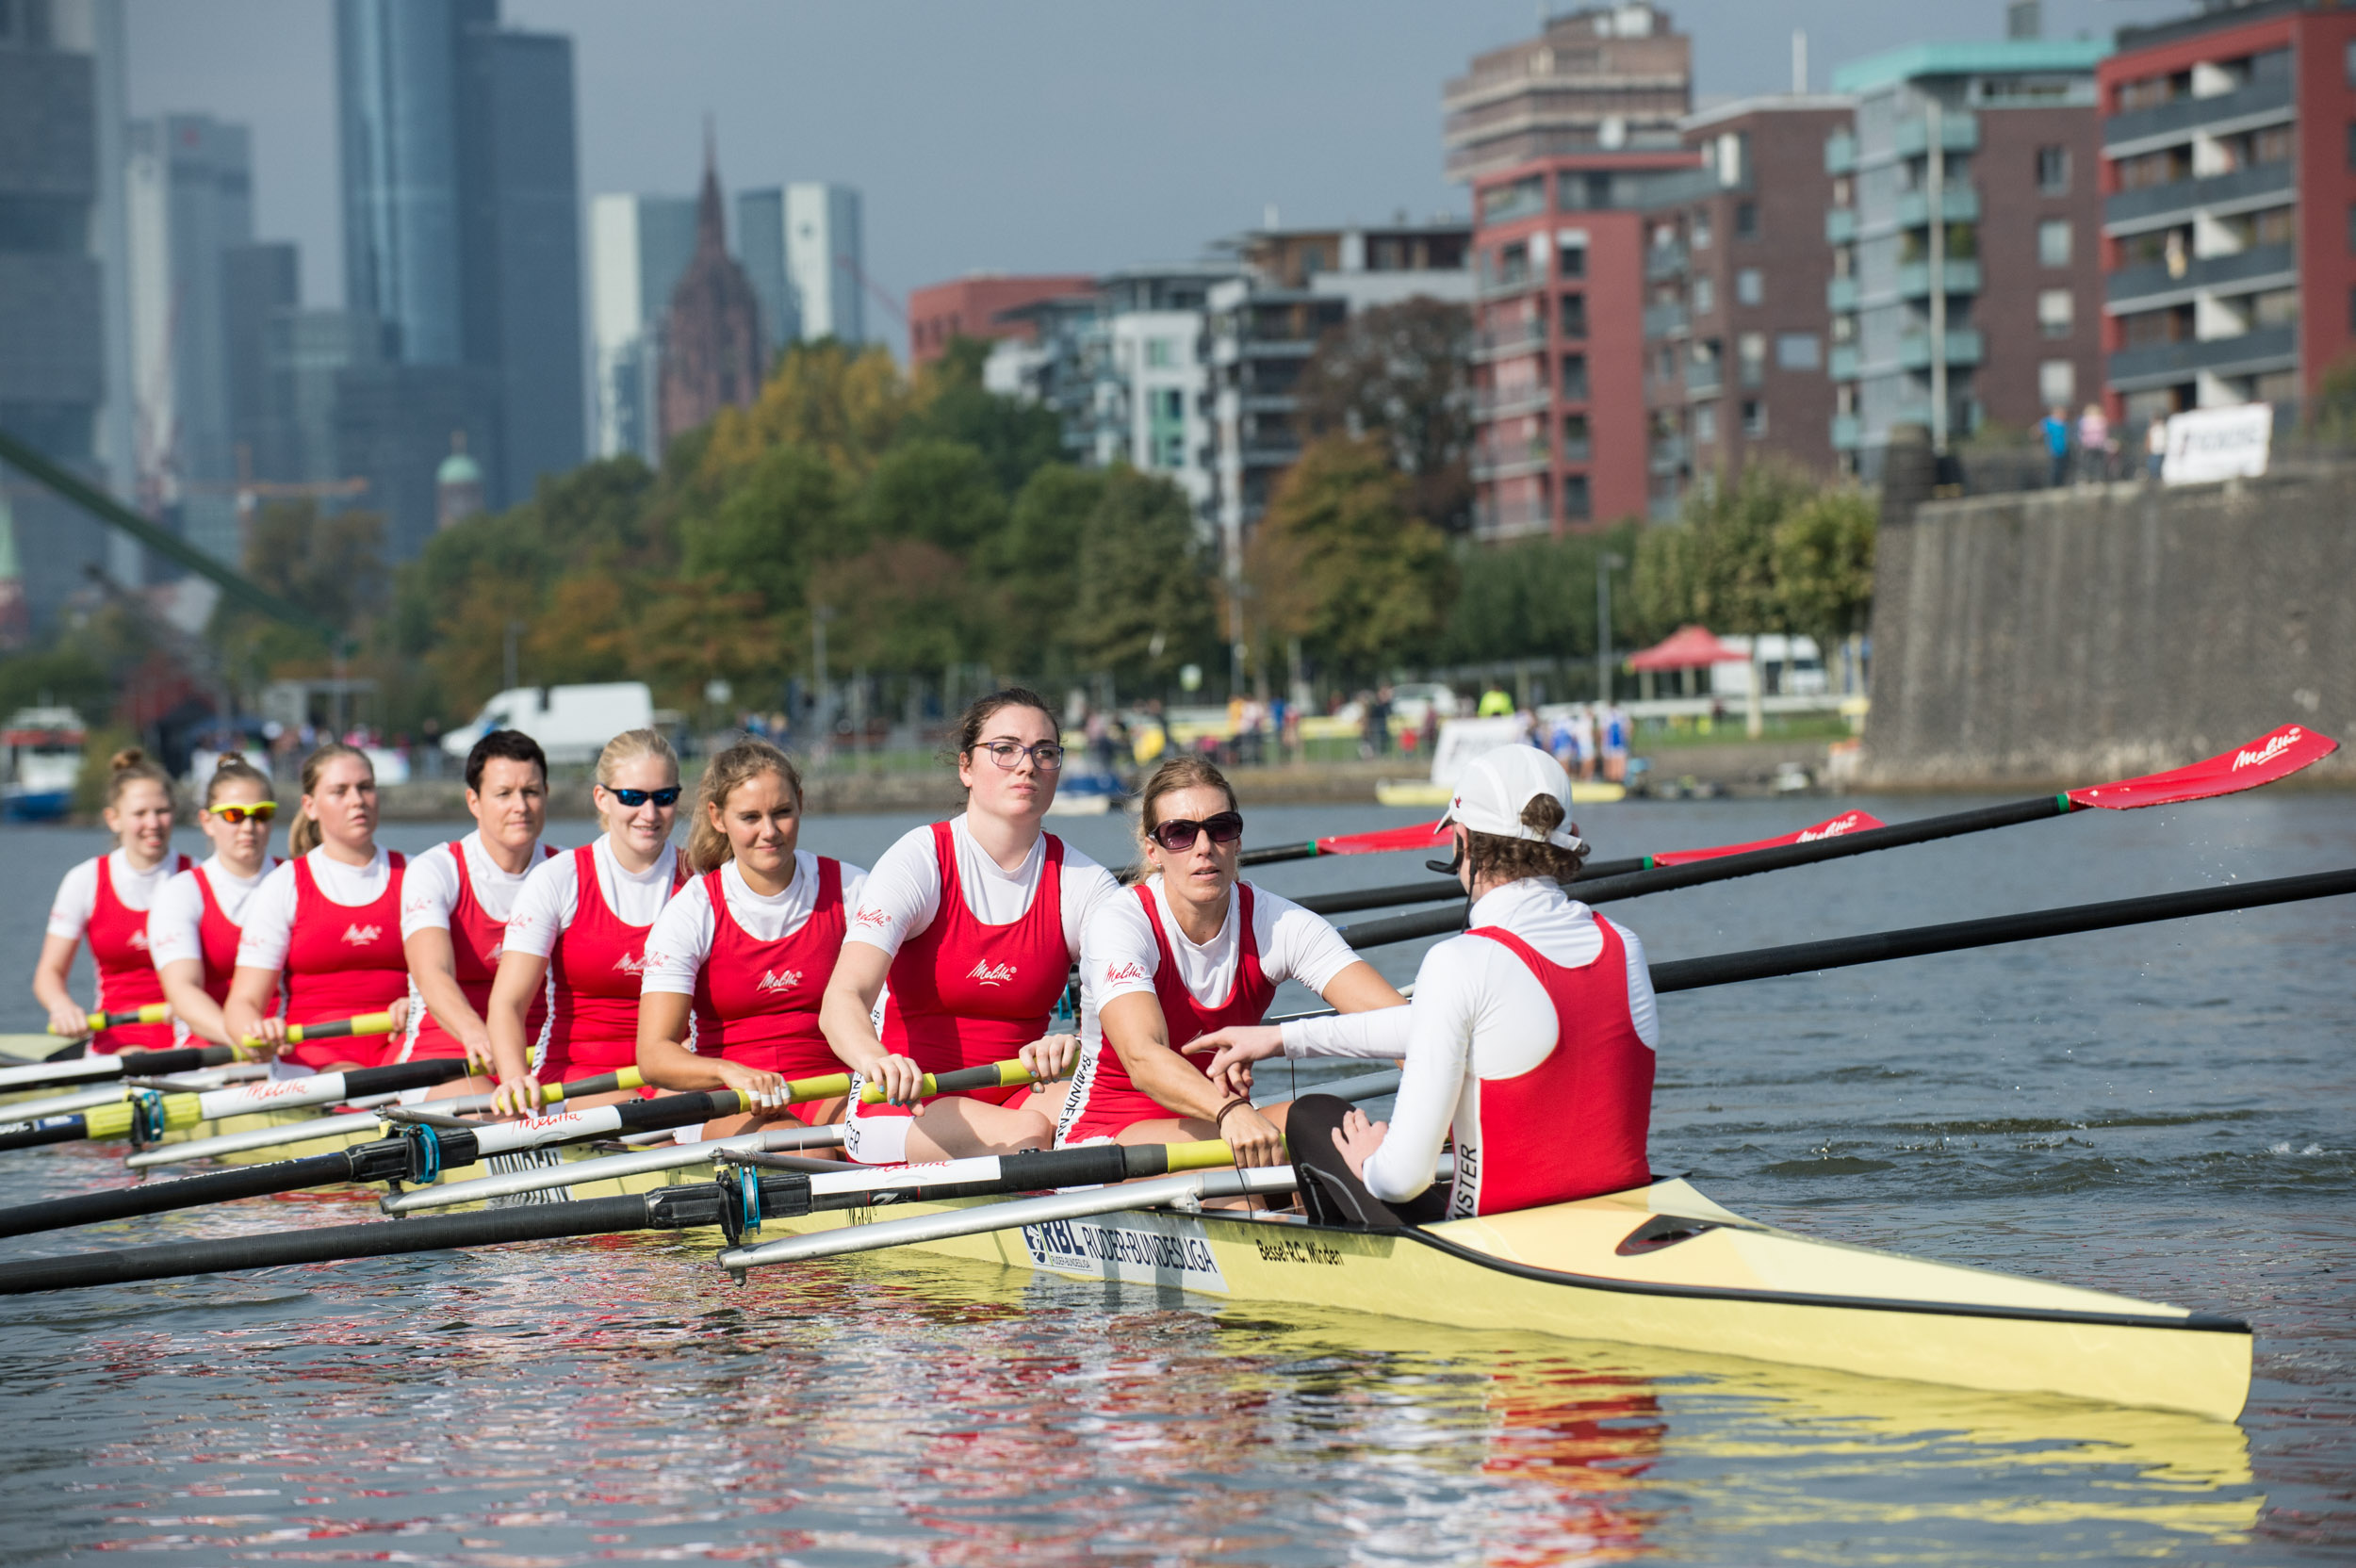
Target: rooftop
{"x":1989,"y":57}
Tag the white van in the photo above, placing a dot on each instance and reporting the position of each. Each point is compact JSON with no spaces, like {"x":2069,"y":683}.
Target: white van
{"x":571,"y":722}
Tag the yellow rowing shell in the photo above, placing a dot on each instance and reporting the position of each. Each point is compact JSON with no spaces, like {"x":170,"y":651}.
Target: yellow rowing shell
{"x":1418,"y":791}
{"x":1663,"y":1266}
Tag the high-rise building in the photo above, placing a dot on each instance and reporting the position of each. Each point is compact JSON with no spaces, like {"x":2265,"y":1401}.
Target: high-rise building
{"x":826,"y":261}
{"x":52,"y":308}
{"x":1604,"y":79}
{"x":2220,"y":132}
{"x":259,"y":284}
{"x":191,"y":202}
{"x":760,"y":248}
{"x":975,"y":306}
{"x":639,"y":246}
{"x":394,"y":425}
{"x":304,"y":354}
{"x":712,"y":355}
{"x":1964,"y":226}
{"x":539,"y":188}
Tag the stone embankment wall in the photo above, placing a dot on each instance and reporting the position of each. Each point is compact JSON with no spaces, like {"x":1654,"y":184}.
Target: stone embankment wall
{"x":2067,"y":636}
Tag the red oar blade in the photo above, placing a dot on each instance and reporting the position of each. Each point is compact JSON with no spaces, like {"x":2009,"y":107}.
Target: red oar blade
{"x":1848,"y":821}
{"x":2261,"y":761}
{"x":1423,"y":836}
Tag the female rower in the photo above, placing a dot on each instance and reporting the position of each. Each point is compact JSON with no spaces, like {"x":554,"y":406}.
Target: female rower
{"x":456,"y":901}
{"x":326,"y":924}
{"x":748,"y":946}
{"x":976,"y":922}
{"x":192,"y":929}
{"x":106,"y":898}
{"x":1532,"y":1035}
{"x":1192,"y":950}
{"x":577,"y":933}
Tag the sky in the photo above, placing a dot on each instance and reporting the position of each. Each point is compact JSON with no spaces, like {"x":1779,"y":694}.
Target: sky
{"x":1048,"y":136}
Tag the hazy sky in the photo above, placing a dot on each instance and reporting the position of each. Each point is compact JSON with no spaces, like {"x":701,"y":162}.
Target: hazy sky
{"x":1001,"y":135}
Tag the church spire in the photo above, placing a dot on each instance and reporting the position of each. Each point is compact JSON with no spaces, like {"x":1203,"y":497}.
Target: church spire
{"x":712,"y":233}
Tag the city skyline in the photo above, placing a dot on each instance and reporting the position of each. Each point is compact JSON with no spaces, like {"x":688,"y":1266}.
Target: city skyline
{"x":1006,"y":200}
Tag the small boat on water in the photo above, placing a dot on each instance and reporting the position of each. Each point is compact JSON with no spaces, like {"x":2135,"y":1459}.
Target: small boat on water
{"x":41,"y":760}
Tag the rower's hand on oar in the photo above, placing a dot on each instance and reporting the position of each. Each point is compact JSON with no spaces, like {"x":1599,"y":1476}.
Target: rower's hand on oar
{"x":398,"y":1013}
{"x":269,"y":1035}
{"x":900,"y":1079}
{"x":1050,"y":1057}
{"x":763,"y":1091}
{"x":1253,"y":1138}
{"x":67,"y":1021}
{"x":480,"y":1062}
{"x":518,"y":1096}
{"x":1358,"y":1138}
{"x":1238,"y":1045}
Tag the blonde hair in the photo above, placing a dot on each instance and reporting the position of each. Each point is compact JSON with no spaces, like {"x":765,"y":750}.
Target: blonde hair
{"x":303,"y":834}
{"x":127,"y":767}
{"x":628,"y":748}
{"x":1188,"y":770}
{"x":708,"y":847}
{"x":233,"y":769}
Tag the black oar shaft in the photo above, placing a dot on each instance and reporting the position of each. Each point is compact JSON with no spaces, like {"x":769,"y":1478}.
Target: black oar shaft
{"x":1347,"y":899}
{"x":213,"y":1186}
{"x":67,"y":1129}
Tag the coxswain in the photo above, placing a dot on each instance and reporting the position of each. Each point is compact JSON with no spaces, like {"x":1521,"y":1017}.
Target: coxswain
{"x":976,"y":924}
{"x":1530,"y":1037}
{"x":577,"y":933}
{"x":107,"y":899}
{"x":325,"y":926}
{"x":1193,"y":949}
{"x":455,"y":900}
{"x":745,"y":949}
{"x":193,"y":927}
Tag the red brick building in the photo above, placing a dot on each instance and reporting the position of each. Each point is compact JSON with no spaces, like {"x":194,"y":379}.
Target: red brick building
{"x":2228,"y":206}
{"x":970,"y":307}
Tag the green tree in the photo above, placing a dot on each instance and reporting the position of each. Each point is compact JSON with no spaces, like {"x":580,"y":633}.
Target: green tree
{"x":1397,"y":373}
{"x":1016,"y":438}
{"x":941,"y":492}
{"x":68,"y":675}
{"x":1533,"y":598}
{"x":1340,"y":560}
{"x":1143,"y":605}
{"x":785,"y":511}
{"x":1716,"y":565}
{"x":1823,"y":563}
{"x":1031,"y":569}
{"x":333,"y":566}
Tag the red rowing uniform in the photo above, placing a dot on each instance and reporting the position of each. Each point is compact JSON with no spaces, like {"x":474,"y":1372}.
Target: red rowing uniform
{"x":757,"y":1003}
{"x":476,"y":939}
{"x":966,"y":994}
{"x":1597,"y":1079}
{"x":126,"y":972}
{"x":342,"y":963}
{"x":1107,"y":1098}
{"x":217,"y":936}
{"x":597,"y":963}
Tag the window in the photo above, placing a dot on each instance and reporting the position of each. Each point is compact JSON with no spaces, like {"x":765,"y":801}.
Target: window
{"x":1701,"y":229}
{"x":2056,"y":384}
{"x":2056,"y":312}
{"x":1706,"y":422}
{"x":1750,"y":353}
{"x":1574,"y":316}
{"x":1160,"y":352}
{"x":1705,"y":296}
{"x":1501,"y":203}
{"x":2053,"y":242}
{"x":1748,"y":289}
{"x":2053,"y":170}
{"x":1755,"y":418}
{"x":1575,"y":378}
{"x":1747,"y":219}
{"x":2276,"y":307}
{"x":1576,"y":506}
{"x":1571,"y":261}
{"x":1574,"y":443}
{"x":2349,"y":65}
{"x":1798,"y":350}
{"x":2146,"y":170}
{"x":1170,"y":406}
{"x":2352,"y":144}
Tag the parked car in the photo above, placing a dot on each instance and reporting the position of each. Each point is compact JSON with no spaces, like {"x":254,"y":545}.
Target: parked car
{"x":571,"y":722}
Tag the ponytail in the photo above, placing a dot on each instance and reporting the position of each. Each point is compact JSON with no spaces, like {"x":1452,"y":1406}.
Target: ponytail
{"x":708,"y":848}
{"x":302,"y":835}
{"x":234,"y":769}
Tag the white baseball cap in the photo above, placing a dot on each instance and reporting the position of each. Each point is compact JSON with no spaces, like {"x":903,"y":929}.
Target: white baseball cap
{"x":1497,"y":784}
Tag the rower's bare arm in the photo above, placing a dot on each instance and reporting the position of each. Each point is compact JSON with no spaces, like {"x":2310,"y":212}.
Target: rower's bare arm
{"x":250,"y":993}
{"x":66,"y":1018}
{"x":520,"y":979}
{"x":668,"y":1063}
{"x":1137,"y":1032}
{"x":183,"y":992}
{"x":847,"y":1018}
{"x":434,"y":968}
{"x":1359,"y":990}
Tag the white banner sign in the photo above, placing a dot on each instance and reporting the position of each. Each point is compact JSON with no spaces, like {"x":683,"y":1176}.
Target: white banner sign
{"x":2206,"y":445}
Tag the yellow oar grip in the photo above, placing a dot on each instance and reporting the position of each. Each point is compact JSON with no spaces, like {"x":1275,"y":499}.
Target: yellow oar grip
{"x":1207,"y":1155}
{"x":155,"y":1012}
{"x":626,"y":1078}
{"x":114,"y":1122}
{"x":799,"y":1090}
{"x":1009,"y":1074}
{"x":367,"y":1023}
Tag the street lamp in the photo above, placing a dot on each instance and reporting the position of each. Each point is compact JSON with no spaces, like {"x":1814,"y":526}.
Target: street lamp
{"x":1606,"y":564}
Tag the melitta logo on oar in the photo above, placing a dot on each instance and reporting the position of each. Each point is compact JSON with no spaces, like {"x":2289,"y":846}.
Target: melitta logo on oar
{"x":1848,"y":821}
{"x":2273,"y":756}
{"x":2273,"y":747}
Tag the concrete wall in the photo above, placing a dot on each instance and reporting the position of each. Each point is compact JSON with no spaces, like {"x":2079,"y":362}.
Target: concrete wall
{"x":2066,"y":637}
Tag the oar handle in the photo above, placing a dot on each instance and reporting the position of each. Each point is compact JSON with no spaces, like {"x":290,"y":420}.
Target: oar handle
{"x":335,"y":1029}
{"x":608,"y":1083}
{"x":1009,"y":1074}
{"x":155,"y":1012}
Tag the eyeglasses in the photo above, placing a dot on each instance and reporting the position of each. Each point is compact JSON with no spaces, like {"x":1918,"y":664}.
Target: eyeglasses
{"x":667,"y":797}
{"x":1046,"y":756}
{"x":261,"y":810}
{"x":1178,"y":833}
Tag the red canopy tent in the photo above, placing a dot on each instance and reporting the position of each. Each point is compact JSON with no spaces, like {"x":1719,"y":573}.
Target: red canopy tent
{"x":1690,"y":647}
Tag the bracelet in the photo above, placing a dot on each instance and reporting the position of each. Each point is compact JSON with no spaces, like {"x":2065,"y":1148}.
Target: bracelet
{"x":1219,"y":1118}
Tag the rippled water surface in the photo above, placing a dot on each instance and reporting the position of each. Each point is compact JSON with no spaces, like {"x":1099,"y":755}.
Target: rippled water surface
{"x":2164,"y":1111}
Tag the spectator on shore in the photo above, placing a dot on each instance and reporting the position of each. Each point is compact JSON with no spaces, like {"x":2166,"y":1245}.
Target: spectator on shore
{"x":1616,"y":730}
{"x":1494,"y":704}
{"x":2154,"y":446}
{"x":1377,"y":731}
{"x":2094,"y":445}
{"x":2056,"y":432}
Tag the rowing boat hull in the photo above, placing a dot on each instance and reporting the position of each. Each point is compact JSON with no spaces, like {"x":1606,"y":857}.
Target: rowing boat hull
{"x":1725,"y":1286}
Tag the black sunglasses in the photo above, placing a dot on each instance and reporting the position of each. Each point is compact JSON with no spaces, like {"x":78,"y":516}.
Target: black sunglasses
{"x":1178,"y":833}
{"x":668,"y":795}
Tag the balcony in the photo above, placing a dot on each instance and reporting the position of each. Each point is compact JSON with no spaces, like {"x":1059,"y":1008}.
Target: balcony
{"x":1667,"y":320}
{"x":1961,"y":276}
{"x":1844,"y":432}
{"x":1963,"y":348}
{"x":1704,"y":380}
{"x":1839,"y":152}
{"x":1957,"y":203}
{"x":1841,"y":362}
{"x":1669,"y":454}
{"x":1957,"y":132}
{"x":1664,"y":261}
{"x":1511,"y":285}
{"x":1504,"y":402}
{"x":1840,"y":294}
{"x":1510,"y":460}
{"x":2263,"y":349}
{"x":2260,"y":102}
{"x":2263,"y":184}
{"x":1839,"y":226}
{"x":1504,"y":342}
{"x":1511,"y":522}
{"x":2141,"y":287}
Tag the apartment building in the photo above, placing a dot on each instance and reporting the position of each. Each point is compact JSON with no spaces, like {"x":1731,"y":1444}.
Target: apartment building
{"x":2218,"y":132}
{"x":1966,"y":273}
{"x":1604,"y":79}
{"x":976,"y":306}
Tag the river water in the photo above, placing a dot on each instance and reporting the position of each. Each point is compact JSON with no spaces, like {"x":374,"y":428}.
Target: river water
{"x":2164,"y":1111}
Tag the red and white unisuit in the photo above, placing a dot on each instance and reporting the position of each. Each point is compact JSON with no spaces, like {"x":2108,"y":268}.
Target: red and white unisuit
{"x":342,"y":962}
{"x":126,"y":970}
{"x":596,"y":962}
{"x":476,"y":939}
{"x":756,"y":1002}
{"x":1104,"y":1098}
{"x":217,"y":936}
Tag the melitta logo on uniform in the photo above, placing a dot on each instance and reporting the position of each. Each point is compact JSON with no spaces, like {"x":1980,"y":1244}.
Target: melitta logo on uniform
{"x":138,"y":939}
{"x":631,"y":963}
{"x":361,"y":936}
{"x":1832,"y":829}
{"x":871,"y":916}
{"x":989,"y":974}
{"x":2275,"y":746}
{"x":784,"y":982}
{"x":1120,"y":973}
